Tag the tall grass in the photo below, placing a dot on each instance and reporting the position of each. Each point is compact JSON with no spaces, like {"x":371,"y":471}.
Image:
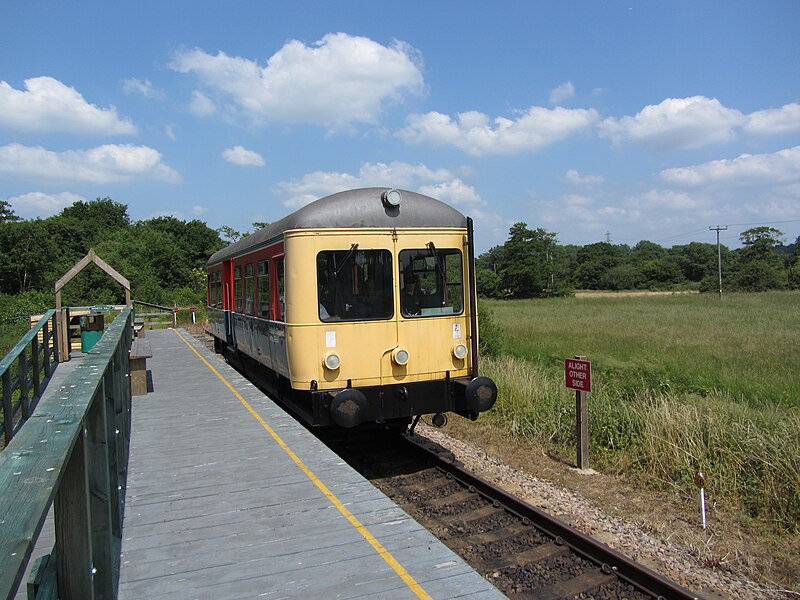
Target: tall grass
{"x":745,"y":346}
{"x":669,"y":399}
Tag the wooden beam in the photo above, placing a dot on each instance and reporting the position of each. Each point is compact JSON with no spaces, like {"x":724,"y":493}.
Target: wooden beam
{"x":81,"y":264}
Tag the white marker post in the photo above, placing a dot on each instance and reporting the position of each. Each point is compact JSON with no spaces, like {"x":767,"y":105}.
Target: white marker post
{"x":700,"y":481}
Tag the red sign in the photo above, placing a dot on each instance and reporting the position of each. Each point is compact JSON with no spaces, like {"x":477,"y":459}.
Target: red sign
{"x":578,"y":374}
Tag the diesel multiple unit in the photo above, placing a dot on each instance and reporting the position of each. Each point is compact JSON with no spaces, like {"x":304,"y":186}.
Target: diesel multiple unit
{"x":359,"y":308}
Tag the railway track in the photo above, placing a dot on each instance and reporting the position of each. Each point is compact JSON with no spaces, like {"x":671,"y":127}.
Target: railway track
{"x":523,"y":551}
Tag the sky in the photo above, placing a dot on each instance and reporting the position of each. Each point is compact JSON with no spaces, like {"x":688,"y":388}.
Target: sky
{"x":596,"y":120}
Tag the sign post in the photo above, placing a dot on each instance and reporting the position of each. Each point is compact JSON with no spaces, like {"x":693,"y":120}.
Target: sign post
{"x":578,"y":377}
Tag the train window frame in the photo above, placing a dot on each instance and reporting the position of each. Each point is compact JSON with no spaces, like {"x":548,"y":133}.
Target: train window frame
{"x":249,"y":289}
{"x":431,"y":268}
{"x":264,"y":296}
{"x":355,"y":284}
{"x":237,"y":289}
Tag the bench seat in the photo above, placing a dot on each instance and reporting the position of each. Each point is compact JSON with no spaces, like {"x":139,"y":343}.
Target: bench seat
{"x":140,"y":352}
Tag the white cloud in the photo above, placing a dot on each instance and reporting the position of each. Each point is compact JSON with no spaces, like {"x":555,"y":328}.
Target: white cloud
{"x":475,"y":134}
{"x":47,"y":105}
{"x":103,"y":164}
{"x":578,"y":201}
{"x":586,"y":180}
{"x":778,"y":168}
{"x":337,"y":81}
{"x":774,"y":121}
{"x":310,"y":187}
{"x":677,"y":123}
{"x":201,"y":105}
{"x":39,"y":204}
{"x":142,"y":87}
{"x":563,"y":92}
{"x":242,"y":157}
{"x":169,"y":131}
{"x":454,"y":192}
{"x":198,"y":210}
{"x":668,"y":200}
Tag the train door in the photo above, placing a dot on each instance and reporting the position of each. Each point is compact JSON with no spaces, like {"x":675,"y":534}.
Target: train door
{"x":277,"y":325}
{"x":227,"y":298}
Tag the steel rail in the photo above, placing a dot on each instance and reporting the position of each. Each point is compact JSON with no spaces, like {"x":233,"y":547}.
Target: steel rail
{"x":611,"y":561}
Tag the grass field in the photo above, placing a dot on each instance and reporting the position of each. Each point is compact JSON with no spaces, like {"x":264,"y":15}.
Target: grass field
{"x":746,"y":346}
{"x":682,"y":383}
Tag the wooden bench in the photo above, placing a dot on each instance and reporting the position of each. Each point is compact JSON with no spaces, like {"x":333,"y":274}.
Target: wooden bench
{"x":138,"y":327}
{"x":140,"y":352}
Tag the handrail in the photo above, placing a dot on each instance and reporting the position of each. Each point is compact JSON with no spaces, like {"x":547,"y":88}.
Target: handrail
{"x":72,"y":453}
{"x":35,"y":362}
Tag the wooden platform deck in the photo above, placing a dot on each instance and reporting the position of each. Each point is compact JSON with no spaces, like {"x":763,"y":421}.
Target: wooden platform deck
{"x":228,"y":497}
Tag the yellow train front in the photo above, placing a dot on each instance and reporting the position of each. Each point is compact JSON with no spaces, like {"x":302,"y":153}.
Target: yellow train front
{"x":360,"y":306}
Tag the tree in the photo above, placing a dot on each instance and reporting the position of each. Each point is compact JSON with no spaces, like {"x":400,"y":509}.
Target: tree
{"x":761,"y":239}
{"x":698,"y":260}
{"x":593,"y":262}
{"x":7,"y":213}
{"x":760,"y":265}
{"x":230,"y":234}
{"x":532,"y":264}
{"x":23,"y":248}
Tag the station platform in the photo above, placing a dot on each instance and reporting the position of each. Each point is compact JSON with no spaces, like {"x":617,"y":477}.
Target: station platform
{"x":229,"y":497}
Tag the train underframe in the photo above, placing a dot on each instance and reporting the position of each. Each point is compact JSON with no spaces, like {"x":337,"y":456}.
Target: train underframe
{"x":393,"y":405}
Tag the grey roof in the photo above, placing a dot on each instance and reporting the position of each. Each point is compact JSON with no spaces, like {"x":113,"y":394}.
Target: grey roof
{"x":352,"y":208}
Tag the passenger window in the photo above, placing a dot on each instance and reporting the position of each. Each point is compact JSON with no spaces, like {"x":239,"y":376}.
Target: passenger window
{"x":432,"y":282}
{"x":354,"y":284}
{"x":263,"y":289}
{"x":249,"y":289}
{"x":237,"y":288}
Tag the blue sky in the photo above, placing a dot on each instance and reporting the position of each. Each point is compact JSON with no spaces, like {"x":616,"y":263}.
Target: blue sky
{"x":594,"y":120}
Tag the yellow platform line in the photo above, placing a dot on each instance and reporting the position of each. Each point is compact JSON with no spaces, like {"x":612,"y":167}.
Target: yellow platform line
{"x":383,"y":552}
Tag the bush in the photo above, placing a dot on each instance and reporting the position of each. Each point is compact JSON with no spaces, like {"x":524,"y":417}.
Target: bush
{"x":490,"y":341}
{"x":19,"y":306}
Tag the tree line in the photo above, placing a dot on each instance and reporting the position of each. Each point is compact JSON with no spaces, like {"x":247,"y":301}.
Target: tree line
{"x":532,"y":264}
{"x":164,"y":258}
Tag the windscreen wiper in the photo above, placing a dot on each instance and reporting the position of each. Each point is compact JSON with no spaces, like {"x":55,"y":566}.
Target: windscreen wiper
{"x":345,"y":260}
{"x":435,"y":254}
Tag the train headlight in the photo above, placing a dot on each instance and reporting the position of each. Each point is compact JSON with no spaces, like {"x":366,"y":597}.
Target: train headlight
{"x":331,"y":361}
{"x":400,"y":356}
{"x":391,"y":198}
{"x":459,"y":351}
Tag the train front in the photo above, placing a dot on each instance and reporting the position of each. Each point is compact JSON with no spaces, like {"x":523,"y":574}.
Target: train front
{"x":388,"y":304}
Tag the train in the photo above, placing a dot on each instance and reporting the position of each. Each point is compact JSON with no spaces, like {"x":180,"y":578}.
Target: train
{"x":359,"y":308}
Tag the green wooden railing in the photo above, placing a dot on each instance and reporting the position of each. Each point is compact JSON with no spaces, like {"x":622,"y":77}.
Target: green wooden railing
{"x":24,"y":374}
{"x":71,"y":454}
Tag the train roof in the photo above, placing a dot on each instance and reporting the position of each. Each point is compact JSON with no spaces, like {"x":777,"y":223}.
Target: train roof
{"x":352,"y":208}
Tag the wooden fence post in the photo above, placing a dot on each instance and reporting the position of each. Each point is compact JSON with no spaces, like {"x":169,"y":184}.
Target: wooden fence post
{"x":74,"y":526}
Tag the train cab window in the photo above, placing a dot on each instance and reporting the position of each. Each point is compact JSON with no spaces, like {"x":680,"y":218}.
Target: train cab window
{"x":354,"y":285}
{"x":432,"y":282}
{"x":263,"y":289}
{"x":249,"y":289}
{"x":237,"y":288}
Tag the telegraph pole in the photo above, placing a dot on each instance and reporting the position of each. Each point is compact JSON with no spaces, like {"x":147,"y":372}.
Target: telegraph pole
{"x":719,"y":256}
